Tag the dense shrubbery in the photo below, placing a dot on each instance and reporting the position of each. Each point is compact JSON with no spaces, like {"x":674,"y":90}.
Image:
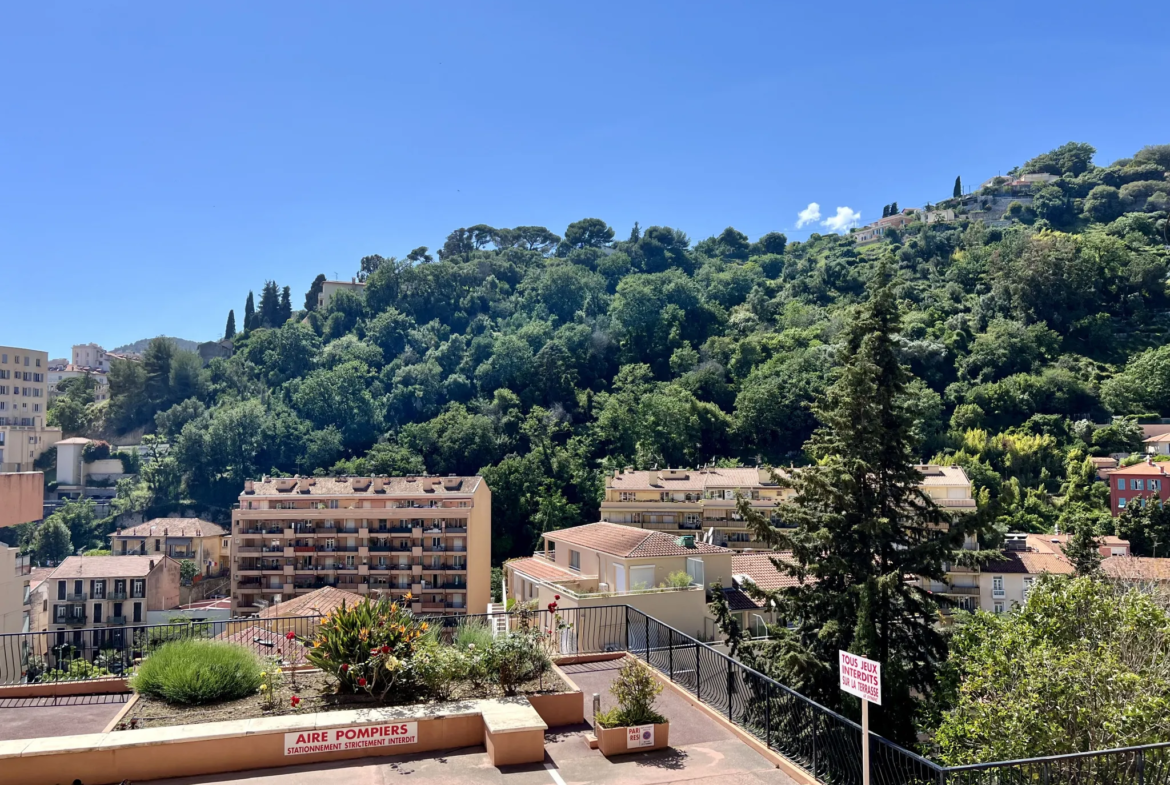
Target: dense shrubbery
{"x":198,"y":671}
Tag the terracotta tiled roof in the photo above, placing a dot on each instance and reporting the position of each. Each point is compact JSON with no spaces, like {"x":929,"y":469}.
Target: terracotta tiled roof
{"x":1055,"y":543}
{"x":1154,"y":429}
{"x":106,"y":566}
{"x":1104,"y":463}
{"x":628,"y":542}
{"x":1142,"y":468}
{"x":1136,"y":568}
{"x":701,"y":479}
{"x":1158,"y":439}
{"x":315,"y":603}
{"x":263,"y":641}
{"x":1030,"y":563}
{"x":758,"y":567}
{"x":542,"y":569}
{"x":38,"y":576}
{"x":346,"y":486}
{"x":174,"y":527}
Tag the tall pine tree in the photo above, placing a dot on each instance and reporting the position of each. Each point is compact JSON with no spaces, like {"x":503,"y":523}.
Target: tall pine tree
{"x":249,"y":313}
{"x":314,"y":292}
{"x":269,"y":311}
{"x":230,"y":331}
{"x":958,"y":187}
{"x":858,"y":526}
{"x":284,"y":310}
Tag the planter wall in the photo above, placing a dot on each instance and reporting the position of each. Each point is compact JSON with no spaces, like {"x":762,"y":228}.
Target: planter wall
{"x":614,"y":741}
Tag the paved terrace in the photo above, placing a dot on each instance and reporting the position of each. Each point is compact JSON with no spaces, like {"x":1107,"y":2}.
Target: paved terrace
{"x":32,"y":718}
{"x":703,"y":752}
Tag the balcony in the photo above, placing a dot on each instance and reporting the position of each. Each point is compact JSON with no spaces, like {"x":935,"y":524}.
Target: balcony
{"x":455,"y":530}
{"x":244,"y":550}
{"x":115,"y":621}
{"x":963,"y":590}
{"x":76,"y":597}
{"x":72,"y":621}
{"x":998,"y":594}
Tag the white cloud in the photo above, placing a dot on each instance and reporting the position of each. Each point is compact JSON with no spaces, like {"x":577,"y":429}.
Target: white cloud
{"x":809,"y":215}
{"x":842,"y":221}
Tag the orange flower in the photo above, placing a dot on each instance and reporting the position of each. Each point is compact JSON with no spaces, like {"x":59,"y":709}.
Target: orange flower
{"x":407,"y":596}
{"x":424,"y":626}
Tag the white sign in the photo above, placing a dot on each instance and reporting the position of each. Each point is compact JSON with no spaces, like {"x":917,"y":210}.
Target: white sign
{"x":861,"y":677}
{"x":639,"y":736}
{"x":339,"y":739}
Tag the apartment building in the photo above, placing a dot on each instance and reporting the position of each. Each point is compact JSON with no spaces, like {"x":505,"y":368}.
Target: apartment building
{"x":331,"y":288}
{"x":59,"y":373}
{"x":598,"y":564}
{"x":1137,"y":484}
{"x":999,"y":585}
{"x":703,"y":502}
{"x":21,"y":501}
{"x":24,"y":401}
{"x":427,"y":536}
{"x":92,"y":356}
{"x":91,"y":599}
{"x":191,"y":539}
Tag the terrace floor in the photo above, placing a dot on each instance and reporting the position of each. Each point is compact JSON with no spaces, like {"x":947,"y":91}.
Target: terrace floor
{"x":31,"y":718}
{"x":702,"y":752}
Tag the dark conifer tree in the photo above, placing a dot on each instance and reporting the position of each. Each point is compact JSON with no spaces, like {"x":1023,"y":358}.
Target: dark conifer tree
{"x":958,"y":187}
{"x":284,"y":311}
{"x":230,"y":331}
{"x":314,"y":292}
{"x":249,"y":313}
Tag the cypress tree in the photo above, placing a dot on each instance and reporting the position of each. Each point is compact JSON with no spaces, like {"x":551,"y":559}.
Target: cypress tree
{"x":284,"y":310}
{"x":885,"y":211}
{"x":858,"y":524}
{"x":893,"y":208}
{"x":314,"y":292}
{"x":249,"y":313}
{"x":1083,"y":548}
{"x":958,"y":187}
{"x":230,"y":331}
{"x":269,"y":310}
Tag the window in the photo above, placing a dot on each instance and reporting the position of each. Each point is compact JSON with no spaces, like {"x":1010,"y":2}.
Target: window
{"x":628,"y":496}
{"x":137,"y":611}
{"x":1120,"y":501}
{"x":997,"y":586}
{"x":1137,"y":485}
{"x":156,"y":546}
{"x":1117,"y":551}
{"x":97,"y":613}
{"x":98,"y":588}
{"x":998,"y":605}
{"x":575,"y":560}
{"x":1121,"y":483}
{"x":1028,"y":583}
{"x":1155,"y":485}
{"x":137,"y":589}
{"x":61,"y":590}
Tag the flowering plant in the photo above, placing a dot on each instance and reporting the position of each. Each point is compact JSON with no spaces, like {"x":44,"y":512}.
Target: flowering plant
{"x":368,"y":647}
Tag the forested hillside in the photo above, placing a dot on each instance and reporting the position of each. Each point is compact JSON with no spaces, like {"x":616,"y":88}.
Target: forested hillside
{"x":543,"y":360}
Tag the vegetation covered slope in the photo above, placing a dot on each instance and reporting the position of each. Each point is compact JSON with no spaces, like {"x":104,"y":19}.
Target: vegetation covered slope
{"x":542,"y":361}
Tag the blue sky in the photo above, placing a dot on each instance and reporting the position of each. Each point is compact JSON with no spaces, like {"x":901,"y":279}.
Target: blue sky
{"x":160,"y":159}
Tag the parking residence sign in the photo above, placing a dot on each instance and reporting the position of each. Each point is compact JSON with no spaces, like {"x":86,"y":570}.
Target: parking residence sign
{"x":861,"y":677}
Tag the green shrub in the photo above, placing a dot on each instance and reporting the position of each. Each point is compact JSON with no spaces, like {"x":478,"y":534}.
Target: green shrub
{"x":635,"y":689}
{"x":678,"y":579}
{"x":369,"y":646}
{"x":439,"y":669}
{"x":198,"y":671}
{"x":473,"y":633}
{"x":516,"y":659}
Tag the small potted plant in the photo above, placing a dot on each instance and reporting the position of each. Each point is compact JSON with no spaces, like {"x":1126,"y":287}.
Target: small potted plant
{"x":634,"y":725}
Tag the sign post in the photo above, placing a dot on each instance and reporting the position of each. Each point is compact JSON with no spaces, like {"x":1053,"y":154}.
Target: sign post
{"x":863,"y":678}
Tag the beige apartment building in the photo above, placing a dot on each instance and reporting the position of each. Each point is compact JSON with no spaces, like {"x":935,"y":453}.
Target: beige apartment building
{"x":21,"y":501}
{"x":24,"y":402}
{"x":604,"y":563}
{"x":703,"y":502}
{"x":90,"y":600}
{"x":185,"y":539}
{"x":426,"y":536}
{"x":999,"y":585}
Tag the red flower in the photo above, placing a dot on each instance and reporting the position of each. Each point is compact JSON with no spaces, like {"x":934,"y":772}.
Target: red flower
{"x":344,"y":667}
{"x":361,"y":682}
{"x":295,"y":700}
{"x":385,"y":649}
{"x":290,"y":635}
{"x":556,"y":596}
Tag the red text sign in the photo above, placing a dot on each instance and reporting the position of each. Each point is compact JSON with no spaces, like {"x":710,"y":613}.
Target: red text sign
{"x":861,"y":677}
{"x":339,"y":739}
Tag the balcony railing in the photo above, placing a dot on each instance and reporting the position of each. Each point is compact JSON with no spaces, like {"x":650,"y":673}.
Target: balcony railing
{"x":115,"y":621}
{"x":76,"y":597}
{"x":72,"y":621}
{"x":117,"y":595}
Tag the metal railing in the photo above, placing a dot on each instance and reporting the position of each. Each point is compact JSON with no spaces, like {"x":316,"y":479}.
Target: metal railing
{"x":819,"y":740}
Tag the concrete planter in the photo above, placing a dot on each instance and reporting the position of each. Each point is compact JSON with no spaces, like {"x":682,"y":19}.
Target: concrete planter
{"x":616,"y":741}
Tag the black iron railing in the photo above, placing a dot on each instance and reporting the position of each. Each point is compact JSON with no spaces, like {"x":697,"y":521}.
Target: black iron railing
{"x":817,"y":739}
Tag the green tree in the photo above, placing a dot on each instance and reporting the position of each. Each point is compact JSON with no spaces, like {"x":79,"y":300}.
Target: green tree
{"x":1079,"y":667}
{"x":187,"y":570}
{"x":52,"y":542}
{"x":249,"y":313}
{"x":268,"y":314}
{"x":1147,"y":528}
{"x":229,"y":332}
{"x":156,"y":363}
{"x":588,"y":233}
{"x":284,"y":309}
{"x":958,"y":191}
{"x":312,"y":295}
{"x":1072,"y":158}
{"x":1103,"y":204}
{"x":1083,"y":548}
{"x":859,"y":524}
